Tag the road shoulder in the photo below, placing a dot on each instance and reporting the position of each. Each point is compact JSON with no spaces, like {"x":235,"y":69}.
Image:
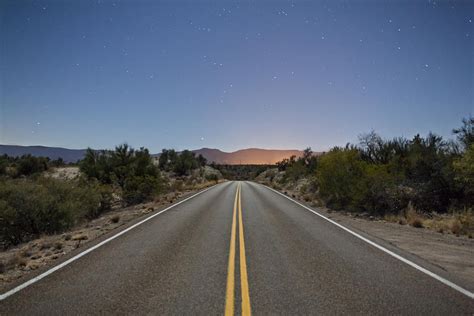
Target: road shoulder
{"x":447,"y":254}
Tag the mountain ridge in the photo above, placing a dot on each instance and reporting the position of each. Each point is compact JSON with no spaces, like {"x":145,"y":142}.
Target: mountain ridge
{"x":243,"y":156}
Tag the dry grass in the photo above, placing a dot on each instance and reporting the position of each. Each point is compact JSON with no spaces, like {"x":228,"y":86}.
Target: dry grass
{"x":80,"y":237}
{"x":417,"y":222}
{"x":413,"y":218}
{"x":457,"y":223}
{"x":17,"y":261}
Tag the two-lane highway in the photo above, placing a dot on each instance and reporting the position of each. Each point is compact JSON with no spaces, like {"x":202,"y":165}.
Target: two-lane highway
{"x":237,"y":248}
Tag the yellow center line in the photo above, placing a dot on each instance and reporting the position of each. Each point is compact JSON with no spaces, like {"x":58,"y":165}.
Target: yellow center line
{"x":229,"y":298}
{"x":244,"y":284}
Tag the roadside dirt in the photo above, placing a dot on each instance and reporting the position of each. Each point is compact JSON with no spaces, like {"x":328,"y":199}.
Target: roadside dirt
{"x":451,"y":253}
{"x":64,"y":173}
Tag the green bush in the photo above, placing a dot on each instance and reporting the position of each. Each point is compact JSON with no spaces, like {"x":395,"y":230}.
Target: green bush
{"x":28,"y":165}
{"x":383,"y":176}
{"x":464,"y":174}
{"x":339,"y":172}
{"x":30,"y":207}
{"x":139,"y":189}
{"x":130,"y":170}
{"x":212,"y":177}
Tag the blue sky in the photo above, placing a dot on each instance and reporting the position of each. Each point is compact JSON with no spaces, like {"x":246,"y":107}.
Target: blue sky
{"x":232,"y":75}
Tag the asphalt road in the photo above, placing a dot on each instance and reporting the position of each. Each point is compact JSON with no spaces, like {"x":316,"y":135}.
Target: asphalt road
{"x":236,"y":248}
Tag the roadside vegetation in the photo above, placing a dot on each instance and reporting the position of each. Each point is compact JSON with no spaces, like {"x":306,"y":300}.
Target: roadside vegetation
{"x":423,"y":181}
{"x":240,"y":172}
{"x":34,"y":202}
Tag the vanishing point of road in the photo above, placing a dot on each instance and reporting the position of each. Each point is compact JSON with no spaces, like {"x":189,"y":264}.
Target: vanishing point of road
{"x":238,"y":248}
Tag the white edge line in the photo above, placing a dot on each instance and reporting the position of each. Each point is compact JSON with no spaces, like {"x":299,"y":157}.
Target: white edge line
{"x":393,"y":254}
{"x":85,"y":252}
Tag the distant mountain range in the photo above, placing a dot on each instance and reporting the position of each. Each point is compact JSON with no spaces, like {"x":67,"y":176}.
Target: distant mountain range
{"x":68,"y":155}
{"x":244,"y":156}
{"x":249,"y":156}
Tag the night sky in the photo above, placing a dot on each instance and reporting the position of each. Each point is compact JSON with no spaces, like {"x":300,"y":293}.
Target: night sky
{"x":232,"y":75}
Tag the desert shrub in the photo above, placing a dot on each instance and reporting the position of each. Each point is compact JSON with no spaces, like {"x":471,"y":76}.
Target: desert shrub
{"x":212,"y":177}
{"x":28,"y":165}
{"x":295,"y":171}
{"x":464,"y":174}
{"x":133,"y":171}
{"x":185,"y":162}
{"x":384,"y":176}
{"x":240,"y":172}
{"x":177,"y":185}
{"x":138,"y":189}
{"x":377,"y":191}
{"x":347,"y":181}
{"x":3,"y":164}
{"x":338,"y":174}
{"x":30,"y":207}
{"x":180,"y":163}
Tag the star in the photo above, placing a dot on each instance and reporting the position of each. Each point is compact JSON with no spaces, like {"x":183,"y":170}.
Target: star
{"x":202,"y":138}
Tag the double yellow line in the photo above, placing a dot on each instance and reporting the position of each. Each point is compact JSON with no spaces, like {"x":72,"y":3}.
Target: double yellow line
{"x":244,"y":284}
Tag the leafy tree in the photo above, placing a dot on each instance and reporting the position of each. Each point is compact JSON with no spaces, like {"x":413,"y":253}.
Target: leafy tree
{"x":185,"y":162}
{"x":201,"y":160}
{"x":465,"y":133}
{"x":122,"y":159}
{"x":464,"y":168}
{"x":164,"y":159}
{"x":133,"y":171}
